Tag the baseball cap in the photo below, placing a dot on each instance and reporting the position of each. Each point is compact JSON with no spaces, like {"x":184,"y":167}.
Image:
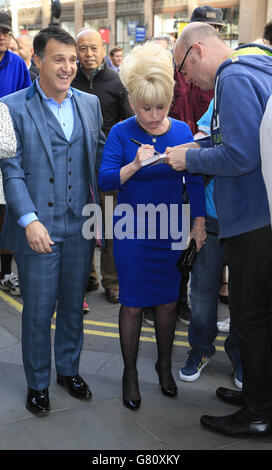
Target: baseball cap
{"x":209,"y":15}
{"x":5,"y":20}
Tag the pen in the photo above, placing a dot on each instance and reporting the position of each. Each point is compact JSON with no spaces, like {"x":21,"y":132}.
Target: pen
{"x":139,"y":143}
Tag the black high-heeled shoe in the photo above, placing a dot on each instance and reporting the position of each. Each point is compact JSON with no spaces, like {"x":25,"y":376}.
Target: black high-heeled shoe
{"x":169,"y":391}
{"x":132,"y":404}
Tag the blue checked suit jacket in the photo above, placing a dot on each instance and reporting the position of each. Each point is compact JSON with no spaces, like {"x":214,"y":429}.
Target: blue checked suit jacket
{"x":27,"y":175}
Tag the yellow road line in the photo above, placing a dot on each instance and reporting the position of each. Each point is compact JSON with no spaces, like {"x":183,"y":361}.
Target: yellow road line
{"x":144,"y":328}
{"x":148,"y":339}
{"x":19,"y":307}
{"x":11,"y":301}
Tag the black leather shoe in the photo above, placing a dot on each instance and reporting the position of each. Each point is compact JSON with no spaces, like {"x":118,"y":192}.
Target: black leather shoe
{"x":239,"y":424}
{"x":75,"y":386}
{"x":38,"y":401}
{"x":167,"y":391}
{"x":233,"y":397}
{"x":132,"y":404}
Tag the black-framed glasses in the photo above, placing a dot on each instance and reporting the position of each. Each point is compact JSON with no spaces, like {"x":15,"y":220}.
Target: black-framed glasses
{"x":185,"y":57}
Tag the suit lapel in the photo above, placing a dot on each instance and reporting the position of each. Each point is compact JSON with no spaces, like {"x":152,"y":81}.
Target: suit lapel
{"x":83,"y":112}
{"x":36,"y":112}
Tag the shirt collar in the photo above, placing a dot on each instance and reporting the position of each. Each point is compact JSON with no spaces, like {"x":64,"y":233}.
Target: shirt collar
{"x":69,"y":93}
{"x":95,"y":71}
{"x":114,"y":67}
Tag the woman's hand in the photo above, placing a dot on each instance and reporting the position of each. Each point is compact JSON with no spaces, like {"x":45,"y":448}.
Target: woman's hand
{"x":198,"y":232}
{"x":143,"y":152}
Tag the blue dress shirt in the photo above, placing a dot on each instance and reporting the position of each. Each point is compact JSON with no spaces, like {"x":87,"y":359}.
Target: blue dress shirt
{"x":64,"y":113}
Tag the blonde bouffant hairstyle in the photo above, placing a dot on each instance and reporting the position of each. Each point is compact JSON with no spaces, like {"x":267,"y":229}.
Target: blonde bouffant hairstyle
{"x":147,"y":74}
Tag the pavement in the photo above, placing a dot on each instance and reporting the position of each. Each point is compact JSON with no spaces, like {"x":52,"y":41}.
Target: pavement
{"x":161,"y":424}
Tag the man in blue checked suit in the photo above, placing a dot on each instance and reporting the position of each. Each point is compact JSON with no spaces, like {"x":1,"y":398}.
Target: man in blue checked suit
{"x":47,"y":184}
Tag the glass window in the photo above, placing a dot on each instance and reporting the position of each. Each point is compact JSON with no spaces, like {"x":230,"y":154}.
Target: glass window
{"x":69,"y":26}
{"x":231,"y":31}
{"x":167,"y":23}
{"x":125,"y":37}
{"x":96,"y":24}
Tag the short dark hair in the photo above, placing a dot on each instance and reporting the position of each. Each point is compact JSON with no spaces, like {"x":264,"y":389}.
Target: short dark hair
{"x":115,"y":49}
{"x":52,"y":32}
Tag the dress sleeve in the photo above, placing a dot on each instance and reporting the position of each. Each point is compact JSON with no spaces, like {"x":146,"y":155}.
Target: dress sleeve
{"x":196,"y":192}
{"x":109,"y":173}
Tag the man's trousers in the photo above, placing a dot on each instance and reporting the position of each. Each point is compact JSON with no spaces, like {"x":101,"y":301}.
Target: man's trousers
{"x":250,"y":289}
{"x":52,"y":281}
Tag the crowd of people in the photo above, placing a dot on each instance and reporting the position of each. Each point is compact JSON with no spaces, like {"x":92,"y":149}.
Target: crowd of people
{"x":159,"y":127}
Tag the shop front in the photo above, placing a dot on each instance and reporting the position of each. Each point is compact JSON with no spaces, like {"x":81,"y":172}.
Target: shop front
{"x":130,"y":26}
{"x":170,"y":16}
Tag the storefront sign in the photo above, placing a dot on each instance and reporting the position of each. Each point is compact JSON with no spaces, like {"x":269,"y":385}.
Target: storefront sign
{"x":131,"y":27}
{"x":140,"y":33}
{"x":105,"y":34}
{"x":181,"y":27}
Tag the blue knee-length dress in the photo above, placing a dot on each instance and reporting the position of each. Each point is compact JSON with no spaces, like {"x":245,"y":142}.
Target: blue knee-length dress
{"x":143,"y":254}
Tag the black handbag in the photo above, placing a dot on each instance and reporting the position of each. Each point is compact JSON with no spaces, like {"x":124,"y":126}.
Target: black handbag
{"x":187,"y":257}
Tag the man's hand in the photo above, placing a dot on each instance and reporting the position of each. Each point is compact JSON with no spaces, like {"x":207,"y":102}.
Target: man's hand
{"x":38,"y":237}
{"x":176,"y":156}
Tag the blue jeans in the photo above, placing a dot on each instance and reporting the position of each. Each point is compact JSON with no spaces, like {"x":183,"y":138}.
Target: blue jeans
{"x":206,"y":281}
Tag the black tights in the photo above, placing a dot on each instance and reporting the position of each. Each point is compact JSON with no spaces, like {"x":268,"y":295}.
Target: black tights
{"x":130,"y":323}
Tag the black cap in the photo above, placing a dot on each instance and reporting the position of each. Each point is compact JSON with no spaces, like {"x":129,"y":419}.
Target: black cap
{"x":5,"y":20}
{"x":209,"y":15}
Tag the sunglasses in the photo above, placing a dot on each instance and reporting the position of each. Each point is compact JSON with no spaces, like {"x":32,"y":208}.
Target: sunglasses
{"x":185,"y":57}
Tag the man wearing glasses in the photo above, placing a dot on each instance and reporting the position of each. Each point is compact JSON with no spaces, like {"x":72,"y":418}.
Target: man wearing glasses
{"x":206,"y":279}
{"x":189,"y":105}
{"x":14,"y":75}
{"x":243,"y":85}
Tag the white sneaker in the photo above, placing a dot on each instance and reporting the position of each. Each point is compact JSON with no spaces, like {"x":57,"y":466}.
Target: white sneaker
{"x":224,"y":326}
{"x":237,"y":382}
{"x":10,"y":283}
{"x":238,"y":375}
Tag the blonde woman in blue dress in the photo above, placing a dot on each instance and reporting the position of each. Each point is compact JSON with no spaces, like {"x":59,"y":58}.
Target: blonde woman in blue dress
{"x":146,"y":266}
